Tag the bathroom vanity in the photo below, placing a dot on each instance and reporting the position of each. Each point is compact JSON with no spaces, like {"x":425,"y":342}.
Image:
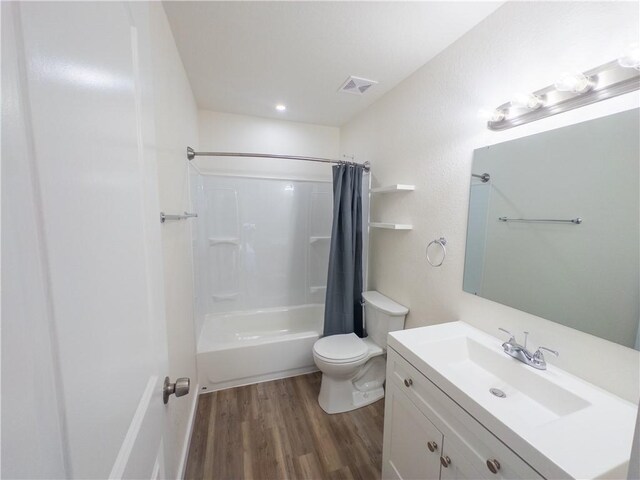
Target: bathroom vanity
{"x":458,"y":407}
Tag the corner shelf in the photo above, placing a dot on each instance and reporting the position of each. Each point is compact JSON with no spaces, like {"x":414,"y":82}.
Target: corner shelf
{"x":223,"y":241}
{"x":399,"y":187}
{"x":318,"y":239}
{"x":391,"y":226}
{"x":225,"y":296}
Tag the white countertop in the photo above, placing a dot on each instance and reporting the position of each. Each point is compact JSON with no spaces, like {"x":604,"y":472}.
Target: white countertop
{"x":560,"y":424}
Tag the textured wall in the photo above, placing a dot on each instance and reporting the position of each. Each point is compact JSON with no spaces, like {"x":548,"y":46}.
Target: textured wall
{"x":424,"y":131}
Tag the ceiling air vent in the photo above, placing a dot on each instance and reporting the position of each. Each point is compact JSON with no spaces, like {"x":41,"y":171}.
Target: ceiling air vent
{"x":356,"y":85}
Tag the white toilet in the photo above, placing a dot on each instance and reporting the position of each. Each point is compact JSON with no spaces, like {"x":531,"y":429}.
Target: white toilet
{"x":353,"y":368}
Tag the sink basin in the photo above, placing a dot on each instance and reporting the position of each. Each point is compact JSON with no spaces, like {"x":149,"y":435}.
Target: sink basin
{"x":528,"y":395}
{"x":560,"y":424}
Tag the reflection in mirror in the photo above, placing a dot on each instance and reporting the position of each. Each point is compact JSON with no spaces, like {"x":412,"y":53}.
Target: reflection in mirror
{"x":555,"y":231}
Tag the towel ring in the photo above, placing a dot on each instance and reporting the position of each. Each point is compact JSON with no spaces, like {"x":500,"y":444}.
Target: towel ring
{"x":442,"y":242}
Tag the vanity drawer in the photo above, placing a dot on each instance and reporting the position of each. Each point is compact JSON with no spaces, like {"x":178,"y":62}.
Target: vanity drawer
{"x":463,"y":435}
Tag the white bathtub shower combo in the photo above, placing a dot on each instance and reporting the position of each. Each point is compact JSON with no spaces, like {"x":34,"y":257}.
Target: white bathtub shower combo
{"x":261,"y":249}
{"x":261,"y":254}
{"x":238,"y":348}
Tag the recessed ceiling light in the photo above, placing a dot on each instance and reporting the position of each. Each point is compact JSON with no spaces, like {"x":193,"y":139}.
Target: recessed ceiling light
{"x":281,"y":108}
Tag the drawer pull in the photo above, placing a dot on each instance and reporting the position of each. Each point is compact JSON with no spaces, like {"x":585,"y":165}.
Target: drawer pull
{"x":445,"y":461}
{"x":408,"y":382}
{"x":493,"y":466}
{"x":432,"y":446}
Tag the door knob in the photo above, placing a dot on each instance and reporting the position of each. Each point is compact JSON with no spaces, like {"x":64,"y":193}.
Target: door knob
{"x":445,"y":461}
{"x":408,"y":382}
{"x":180,"y":388}
{"x":432,"y":446}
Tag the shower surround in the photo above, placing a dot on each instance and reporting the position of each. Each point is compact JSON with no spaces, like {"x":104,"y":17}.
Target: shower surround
{"x":261,"y":250}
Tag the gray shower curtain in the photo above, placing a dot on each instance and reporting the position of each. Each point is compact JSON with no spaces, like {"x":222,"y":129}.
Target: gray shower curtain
{"x":343,"y":309}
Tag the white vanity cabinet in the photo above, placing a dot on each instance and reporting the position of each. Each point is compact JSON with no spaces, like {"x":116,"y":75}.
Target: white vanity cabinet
{"x":429,"y":436}
{"x":409,"y":437}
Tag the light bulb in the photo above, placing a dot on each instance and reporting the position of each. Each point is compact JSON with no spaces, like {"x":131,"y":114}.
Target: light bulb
{"x":631,"y":57}
{"x":495,"y":115}
{"x":526,"y":100}
{"x":573,"y":82}
{"x":281,"y":108}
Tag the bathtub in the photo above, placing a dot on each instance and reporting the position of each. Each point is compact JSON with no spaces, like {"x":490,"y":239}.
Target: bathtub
{"x":241,"y":348}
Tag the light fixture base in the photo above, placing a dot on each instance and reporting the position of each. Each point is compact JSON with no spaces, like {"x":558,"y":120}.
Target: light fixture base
{"x":606,"y":81}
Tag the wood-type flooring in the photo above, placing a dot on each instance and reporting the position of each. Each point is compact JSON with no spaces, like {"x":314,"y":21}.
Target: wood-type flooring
{"x":277,"y":430}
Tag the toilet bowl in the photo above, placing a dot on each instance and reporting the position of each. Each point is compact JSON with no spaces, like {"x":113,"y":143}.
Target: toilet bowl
{"x":353,"y":368}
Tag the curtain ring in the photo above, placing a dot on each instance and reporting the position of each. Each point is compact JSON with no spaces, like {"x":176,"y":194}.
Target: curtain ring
{"x":442,"y":242}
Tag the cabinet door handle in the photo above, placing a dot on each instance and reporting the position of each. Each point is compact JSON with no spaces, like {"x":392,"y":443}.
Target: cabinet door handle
{"x":432,"y":446}
{"x":445,"y":461}
{"x":408,"y":382}
{"x":493,"y":465}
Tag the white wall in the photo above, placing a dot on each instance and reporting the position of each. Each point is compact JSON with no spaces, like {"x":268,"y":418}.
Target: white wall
{"x":242,"y":133}
{"x":424,"y":132}
{"x":176,"y":127}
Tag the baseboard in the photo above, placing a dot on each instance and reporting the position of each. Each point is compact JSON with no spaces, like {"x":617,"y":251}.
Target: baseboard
{"x":257,"y":379}
{"x":182,"y":466}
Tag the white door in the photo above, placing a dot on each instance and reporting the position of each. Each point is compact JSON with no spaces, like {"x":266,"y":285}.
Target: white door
{"x":80,"y":104}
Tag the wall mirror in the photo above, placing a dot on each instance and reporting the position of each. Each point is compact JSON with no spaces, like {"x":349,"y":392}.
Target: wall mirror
{"x":554,"y":228}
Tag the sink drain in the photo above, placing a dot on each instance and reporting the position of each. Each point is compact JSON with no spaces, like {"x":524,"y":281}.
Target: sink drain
{"x":497,"y":392}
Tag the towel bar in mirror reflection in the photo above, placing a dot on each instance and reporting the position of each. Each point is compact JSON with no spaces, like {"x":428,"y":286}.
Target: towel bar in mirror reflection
{"x":182,"y":216}
{"x":587,"y":277}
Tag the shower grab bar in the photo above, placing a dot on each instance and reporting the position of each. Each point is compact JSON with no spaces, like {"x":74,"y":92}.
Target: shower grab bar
{"x":575,"y":221}
{"x":165,"y":216}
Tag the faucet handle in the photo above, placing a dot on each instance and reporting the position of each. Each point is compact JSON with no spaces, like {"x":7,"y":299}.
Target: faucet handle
{"x":556,"y":353}
{"x":508,"y":333}
{"x":538,"y":357}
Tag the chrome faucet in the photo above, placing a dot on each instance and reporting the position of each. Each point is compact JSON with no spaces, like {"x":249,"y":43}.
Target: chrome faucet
{"x":519,"y":352}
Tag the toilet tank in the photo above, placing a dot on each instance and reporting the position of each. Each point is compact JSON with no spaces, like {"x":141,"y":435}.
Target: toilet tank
{"x":382,"y":315}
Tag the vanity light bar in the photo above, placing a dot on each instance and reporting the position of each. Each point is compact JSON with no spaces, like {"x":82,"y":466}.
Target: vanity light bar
{"x":569,"y":92}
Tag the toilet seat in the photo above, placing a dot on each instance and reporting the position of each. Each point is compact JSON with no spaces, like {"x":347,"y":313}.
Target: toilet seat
{"x":344,"y":348}
{"x":353,"y":368}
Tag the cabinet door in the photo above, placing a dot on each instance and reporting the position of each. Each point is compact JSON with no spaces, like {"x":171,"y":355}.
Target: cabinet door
{"x":461,"y":431}
{"x":457,"y":466}
{"x":407,"y":433}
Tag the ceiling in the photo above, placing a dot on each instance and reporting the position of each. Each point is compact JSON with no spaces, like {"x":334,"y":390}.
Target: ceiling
{"x":247,"y":57}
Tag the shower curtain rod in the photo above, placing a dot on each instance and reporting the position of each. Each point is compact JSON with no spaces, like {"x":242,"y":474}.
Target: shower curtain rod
{"x":191,"y":154}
